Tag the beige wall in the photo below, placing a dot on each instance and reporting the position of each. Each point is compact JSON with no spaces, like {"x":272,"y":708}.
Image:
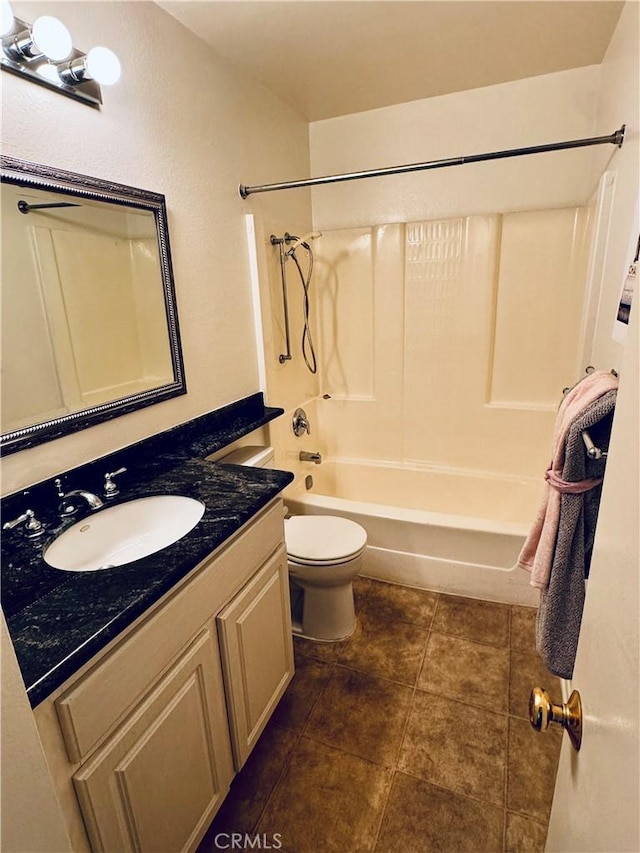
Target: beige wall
{"x":619,"y":103}
{"x":534,"y":111}
{"x":182,"y":123}
{"x":31,"y":821}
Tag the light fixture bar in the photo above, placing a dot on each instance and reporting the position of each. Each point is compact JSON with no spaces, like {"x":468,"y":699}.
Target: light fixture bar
{"x":42,"y":71}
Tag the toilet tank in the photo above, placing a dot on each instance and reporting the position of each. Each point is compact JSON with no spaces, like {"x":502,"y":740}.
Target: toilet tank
{"x":251,"y":455}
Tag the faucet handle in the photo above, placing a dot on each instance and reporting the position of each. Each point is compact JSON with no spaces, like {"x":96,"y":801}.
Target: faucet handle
{"x":300,"y":423}
{"x":110,"y":488}
{"x":31,"y":524}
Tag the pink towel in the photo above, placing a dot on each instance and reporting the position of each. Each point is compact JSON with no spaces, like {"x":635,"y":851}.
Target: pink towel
{"x":537,"y":552}
{"x":566,"y":487}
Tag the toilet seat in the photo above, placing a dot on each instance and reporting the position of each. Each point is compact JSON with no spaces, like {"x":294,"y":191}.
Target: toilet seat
{"x":323,"y":539}
{"x":337,"y":561}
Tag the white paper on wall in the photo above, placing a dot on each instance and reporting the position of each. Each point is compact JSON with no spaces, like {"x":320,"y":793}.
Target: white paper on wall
{"x":629,"y":286}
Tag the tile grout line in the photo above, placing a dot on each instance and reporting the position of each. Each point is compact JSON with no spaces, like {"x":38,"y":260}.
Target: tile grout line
{"x":505,"y":793}
{"x":393,"y":768}
{"x":469,"y":640}
{"x":461,"y":794}
{"x":353,"y":668}
{"x":283,"y":769}
{"x":396,"y":769}
{"x":285,"y":765}
{"x":383,"y":810}
{"x":299,"y":735}
{"x":488,"y":708}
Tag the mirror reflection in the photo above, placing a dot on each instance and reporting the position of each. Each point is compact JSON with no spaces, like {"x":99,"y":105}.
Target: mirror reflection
{"x":86,"y":328}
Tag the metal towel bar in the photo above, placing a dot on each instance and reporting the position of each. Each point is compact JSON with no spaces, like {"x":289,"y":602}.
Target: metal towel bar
{"x":593,"y":452}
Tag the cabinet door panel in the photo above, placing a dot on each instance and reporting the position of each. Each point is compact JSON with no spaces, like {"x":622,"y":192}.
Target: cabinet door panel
{"x":157,"y":782}
{"x":257,"y":653}
{"x":96,"y":703}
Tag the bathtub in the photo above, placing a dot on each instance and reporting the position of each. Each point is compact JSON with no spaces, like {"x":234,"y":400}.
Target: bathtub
{"x":452,"y":532}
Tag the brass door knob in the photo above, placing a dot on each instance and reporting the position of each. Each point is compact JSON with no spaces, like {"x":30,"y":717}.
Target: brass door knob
{"x":542,"y":712}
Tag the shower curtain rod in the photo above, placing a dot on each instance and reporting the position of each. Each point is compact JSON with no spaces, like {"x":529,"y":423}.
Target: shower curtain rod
{"x":616,"y":138}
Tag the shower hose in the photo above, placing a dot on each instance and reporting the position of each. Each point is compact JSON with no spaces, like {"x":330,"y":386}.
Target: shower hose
{"x":308,"y":351}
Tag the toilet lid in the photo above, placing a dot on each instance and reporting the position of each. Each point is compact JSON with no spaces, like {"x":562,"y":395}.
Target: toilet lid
{"x":323,"y":538}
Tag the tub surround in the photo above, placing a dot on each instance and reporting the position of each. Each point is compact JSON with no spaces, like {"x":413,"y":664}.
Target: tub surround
{"x":59,"y":620}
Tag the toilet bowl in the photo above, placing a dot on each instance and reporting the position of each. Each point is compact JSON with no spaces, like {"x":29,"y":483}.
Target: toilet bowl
{"x":324,"y":554}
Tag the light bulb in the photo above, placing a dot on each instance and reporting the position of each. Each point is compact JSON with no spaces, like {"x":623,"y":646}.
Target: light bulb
{"x":51,"y":37}
{"x":7,"y":18}
{"x":49,"y":72}
{"x":103,"y":66}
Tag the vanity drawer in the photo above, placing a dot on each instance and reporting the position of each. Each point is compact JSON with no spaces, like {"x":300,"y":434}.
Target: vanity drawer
{"x":99,"y":700}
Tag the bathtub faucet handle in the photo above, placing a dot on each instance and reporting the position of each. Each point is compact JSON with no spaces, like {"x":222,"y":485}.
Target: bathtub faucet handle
{"x":300,"y":423}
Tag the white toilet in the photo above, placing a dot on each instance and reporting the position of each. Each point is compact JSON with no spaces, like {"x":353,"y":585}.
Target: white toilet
{"x":324,"y":555}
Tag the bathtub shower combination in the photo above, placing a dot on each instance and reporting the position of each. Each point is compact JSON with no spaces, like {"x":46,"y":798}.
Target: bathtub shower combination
{"x":428,"y":530}
{"x":432,"y":401}
{"x":432,"y":419}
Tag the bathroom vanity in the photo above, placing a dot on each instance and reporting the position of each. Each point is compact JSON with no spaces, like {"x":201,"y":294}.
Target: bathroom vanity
{"x":146,"y":740}
{"x":152,"y":681}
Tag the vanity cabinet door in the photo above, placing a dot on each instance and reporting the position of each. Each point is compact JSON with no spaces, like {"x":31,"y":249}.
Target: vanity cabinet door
{"x":158,"y":781}
{"x":257,"y":652}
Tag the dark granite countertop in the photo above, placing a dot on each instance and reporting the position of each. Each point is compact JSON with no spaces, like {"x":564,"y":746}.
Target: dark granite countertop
{"x":59,"y":620}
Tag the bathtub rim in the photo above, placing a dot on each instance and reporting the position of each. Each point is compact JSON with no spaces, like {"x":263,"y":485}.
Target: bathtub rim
{"x":419,"y":570}
{"x":416,"y":516}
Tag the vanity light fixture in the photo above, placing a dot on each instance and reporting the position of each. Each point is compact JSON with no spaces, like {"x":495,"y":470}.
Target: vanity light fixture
{"x":43,"y":52}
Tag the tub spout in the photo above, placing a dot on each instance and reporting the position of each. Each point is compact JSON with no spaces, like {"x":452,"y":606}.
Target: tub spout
{"x":306,"y":456}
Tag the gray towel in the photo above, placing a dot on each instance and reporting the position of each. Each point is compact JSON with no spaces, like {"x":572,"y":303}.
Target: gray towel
{"x":561,"y":604}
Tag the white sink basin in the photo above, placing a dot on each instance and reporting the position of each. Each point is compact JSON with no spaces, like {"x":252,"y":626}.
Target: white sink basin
{"x":124,"y":533}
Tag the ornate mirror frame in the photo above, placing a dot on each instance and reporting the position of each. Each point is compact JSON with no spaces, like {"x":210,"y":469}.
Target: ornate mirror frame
{"x":36,"y":176}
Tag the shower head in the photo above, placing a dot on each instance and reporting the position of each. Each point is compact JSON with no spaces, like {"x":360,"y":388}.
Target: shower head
{"x":301,"y":241}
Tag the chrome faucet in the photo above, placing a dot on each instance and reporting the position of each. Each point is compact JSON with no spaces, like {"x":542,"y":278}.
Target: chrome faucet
{"x":68,"y":506}
{"x":307,"y":456}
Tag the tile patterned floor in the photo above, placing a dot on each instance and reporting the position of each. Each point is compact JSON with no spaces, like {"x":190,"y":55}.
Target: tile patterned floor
{"x":410,"y":736}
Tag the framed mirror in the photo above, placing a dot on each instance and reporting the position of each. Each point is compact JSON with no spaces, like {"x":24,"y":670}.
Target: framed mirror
{"x":89,"y":322}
